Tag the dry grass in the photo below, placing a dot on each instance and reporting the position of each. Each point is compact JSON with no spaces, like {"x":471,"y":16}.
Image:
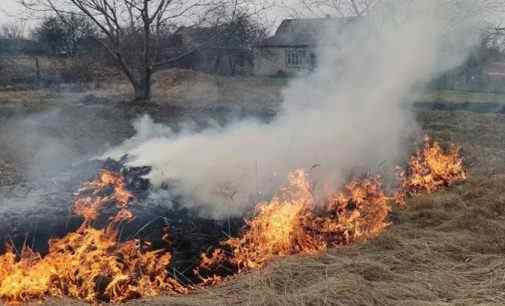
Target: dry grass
{"x":479,"y":134}
{"x":174,"y":87}
{"x":445,"y":249}
{"x":25,"y":96}
{"x":199,"y":90}
{"x":22,"y":71}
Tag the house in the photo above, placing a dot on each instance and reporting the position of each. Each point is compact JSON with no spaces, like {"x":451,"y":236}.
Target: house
{"x":292,"y":49}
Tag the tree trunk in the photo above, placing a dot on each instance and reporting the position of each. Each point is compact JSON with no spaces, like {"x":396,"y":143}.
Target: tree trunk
{"x":144,"y":92}
{"x":37,"y":72}
{"x":143,"y":89}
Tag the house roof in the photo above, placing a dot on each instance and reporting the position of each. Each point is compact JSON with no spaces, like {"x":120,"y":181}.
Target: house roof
{"x":304,"y":32}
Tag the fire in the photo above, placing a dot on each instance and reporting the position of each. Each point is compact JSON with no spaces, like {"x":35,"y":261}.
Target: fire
{"x":432,"y":168}
{"x":93,"y":198}
{"x":294,"y":223}
{"x":90,"y":264}
{"x":358,"y":213}
{"x":94,"y":265}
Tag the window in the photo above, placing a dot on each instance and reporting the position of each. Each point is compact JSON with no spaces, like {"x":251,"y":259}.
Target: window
{"x":295,"y":57}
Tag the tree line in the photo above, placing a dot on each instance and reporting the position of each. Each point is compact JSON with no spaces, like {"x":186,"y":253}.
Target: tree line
{"x":139,"y":37}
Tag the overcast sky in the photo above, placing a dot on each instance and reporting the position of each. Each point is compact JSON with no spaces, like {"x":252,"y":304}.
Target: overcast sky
{"x":12,"y":11}
{"x":9,"y":9}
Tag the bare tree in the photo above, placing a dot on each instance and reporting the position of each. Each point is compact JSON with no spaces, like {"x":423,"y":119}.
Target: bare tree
{"x":235,"y":32}
{"x":339,"y":8}
{"x":129,"y":29}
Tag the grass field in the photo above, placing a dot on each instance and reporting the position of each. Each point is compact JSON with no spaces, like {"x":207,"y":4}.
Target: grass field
{"x":442,"y":249}
{"x":191,"y":89}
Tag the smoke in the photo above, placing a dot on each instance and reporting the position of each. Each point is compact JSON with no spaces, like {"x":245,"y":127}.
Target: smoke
{"x":34,"y":144}
{"x":351,"y":112}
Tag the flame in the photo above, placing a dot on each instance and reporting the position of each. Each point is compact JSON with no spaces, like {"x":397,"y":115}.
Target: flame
{"x":90,"y":264}
{"x":293,"y":223}
{"x":91,"y":200}
{"x":93,"y":265}
{"x":430,"y":169}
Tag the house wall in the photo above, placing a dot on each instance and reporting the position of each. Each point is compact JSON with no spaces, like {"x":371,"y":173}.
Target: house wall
{"x":270,"y":61}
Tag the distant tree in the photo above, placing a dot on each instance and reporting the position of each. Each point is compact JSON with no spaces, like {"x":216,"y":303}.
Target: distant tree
{"x":51,"y":35}
{"x":339,"y":8}
{"x":69,"y":35}
{"x":238,"y":32}
{"x":12,"y":38}
{"x":472,"y":74}
{"x":242,"y":31}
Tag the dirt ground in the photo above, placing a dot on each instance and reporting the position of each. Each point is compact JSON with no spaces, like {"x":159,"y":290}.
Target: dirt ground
{"x":443,"y":249}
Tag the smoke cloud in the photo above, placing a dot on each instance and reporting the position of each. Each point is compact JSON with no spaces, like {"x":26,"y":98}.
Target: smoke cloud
{"x":351,"y":112}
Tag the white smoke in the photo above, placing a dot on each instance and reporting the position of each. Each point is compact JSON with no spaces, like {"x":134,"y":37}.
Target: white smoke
{"x":349,"y":113}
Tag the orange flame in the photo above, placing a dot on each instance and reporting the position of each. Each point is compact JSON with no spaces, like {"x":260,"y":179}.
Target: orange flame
{"x":90,"y":200}
{"x":430,"y":169}
{"x":293,"y":223}
{"x":90,"y":264}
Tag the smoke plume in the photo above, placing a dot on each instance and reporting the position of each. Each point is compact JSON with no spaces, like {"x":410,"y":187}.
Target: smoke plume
{"x":351,"y":112}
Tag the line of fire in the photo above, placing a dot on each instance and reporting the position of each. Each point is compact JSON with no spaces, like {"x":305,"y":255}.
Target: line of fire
{"x":97,"y":263}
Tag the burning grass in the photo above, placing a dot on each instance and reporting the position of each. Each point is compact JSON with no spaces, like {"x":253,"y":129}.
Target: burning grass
{"x":95,"y":266}
{"x":455,"y":259}
{"x":294,"y":223}
{"x":430,"y":169}
{"x":90,"y":264}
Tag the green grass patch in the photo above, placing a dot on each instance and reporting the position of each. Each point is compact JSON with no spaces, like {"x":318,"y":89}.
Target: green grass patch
{"x":459,"y":96}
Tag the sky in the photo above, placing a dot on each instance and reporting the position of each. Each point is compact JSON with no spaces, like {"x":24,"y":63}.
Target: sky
{"x":12,"y":11}
{"x":9,"y":11}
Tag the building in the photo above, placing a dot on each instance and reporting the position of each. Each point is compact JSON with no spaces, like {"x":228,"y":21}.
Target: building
{"x":292,"y":49}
